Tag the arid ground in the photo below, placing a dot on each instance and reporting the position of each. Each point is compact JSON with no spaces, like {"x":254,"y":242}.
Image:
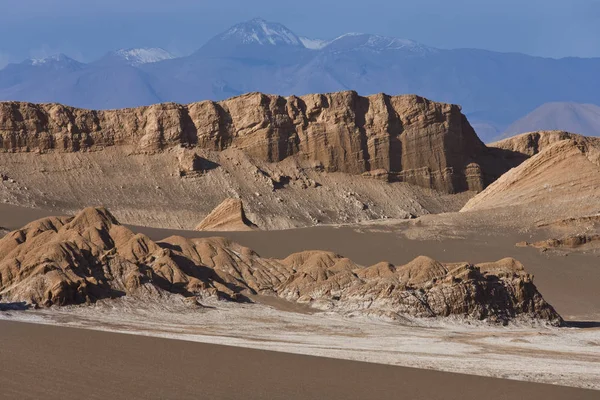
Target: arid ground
{"x":68,"y":362}
{"x":567,"y":356}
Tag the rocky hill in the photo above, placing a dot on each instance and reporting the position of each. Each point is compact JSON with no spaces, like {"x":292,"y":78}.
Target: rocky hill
{"x":90,"y":257}
{"x":531,"y":143}
{"x":559,"y":178}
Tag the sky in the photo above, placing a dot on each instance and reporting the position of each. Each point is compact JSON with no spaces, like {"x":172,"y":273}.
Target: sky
{"x":87,"y":29}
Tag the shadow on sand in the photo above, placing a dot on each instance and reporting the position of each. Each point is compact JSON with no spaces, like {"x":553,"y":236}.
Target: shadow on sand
{"x":21,"y":306}
{"x":582,"y":324}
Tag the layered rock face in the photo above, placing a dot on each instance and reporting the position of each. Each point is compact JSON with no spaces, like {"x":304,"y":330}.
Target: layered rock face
{"x":59,"y":261}
{"x":531,"y":143}
{"x":561,"y":178}
{"x":416,"y":140}
{"x":227,"y":216}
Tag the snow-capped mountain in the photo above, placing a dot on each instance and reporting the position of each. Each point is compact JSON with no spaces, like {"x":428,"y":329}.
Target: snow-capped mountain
{"x":57,"y":61}
{"x":141,"y":56}
{"x":46,"y":60}
{"x":259,"y":31}
{"x":314,"y":44}
{"x":352,"y":41}
{"x":495,"y":89}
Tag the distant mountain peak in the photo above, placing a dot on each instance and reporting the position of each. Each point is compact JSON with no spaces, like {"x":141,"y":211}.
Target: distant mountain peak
{"x":144,"y":55}
{"x":377,"y":43}
{"x":262,"y":32}
{"x":559,"y":116}
{"x":54,"y":62}
{"x":53,"y":59}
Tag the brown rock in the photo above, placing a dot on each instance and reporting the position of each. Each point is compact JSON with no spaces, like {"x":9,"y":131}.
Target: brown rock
{"x":569,"y":242}
{"x":59,"y":261}
{"x":191,"y":163}
{"x":561,"y":179}
{"x":422,"y":142}
{"x":530,"y":144}
{"x":227,"y":216}
{"x":380,"y":174}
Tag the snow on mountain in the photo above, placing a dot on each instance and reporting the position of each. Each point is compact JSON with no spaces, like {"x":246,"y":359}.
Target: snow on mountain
{"x":314,"y":44}
{"x":141,"y":56}
{"x":263,"y":56}
{"x":259,"y":31}
{"x":45,"y":60}
{"x":350,"y":41}
{"x":54,"y":62}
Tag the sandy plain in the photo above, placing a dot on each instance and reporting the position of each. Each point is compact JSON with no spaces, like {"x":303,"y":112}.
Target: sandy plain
{"x":568,"y":356}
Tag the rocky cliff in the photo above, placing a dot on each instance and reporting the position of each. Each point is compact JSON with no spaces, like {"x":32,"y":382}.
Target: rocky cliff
{"x":90,"y":257}
{"x":415,"y":140}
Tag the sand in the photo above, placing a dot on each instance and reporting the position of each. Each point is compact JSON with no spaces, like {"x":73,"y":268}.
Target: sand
{"x":565,"y":356}
{"x":57,"y":363}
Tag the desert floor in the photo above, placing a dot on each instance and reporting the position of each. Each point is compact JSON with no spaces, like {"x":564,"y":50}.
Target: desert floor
{"x":563,"y":356}
{"x":68,"y":363}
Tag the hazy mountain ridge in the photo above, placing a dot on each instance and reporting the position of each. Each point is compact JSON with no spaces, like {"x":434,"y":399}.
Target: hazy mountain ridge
{"x":571,"y":117}
{"x":495,"y":89}
{"x":140,"y":56}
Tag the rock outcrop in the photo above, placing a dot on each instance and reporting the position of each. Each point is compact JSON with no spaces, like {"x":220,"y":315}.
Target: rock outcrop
{"x":561,"y":179}
{"x":227,"y":216}
{"x":573,"y":242}
{"x":531,"y":143}
{"x":89,"y":257}
{"x":416,"y":140}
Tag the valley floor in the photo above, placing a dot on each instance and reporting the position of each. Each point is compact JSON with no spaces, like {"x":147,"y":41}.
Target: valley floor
{"x":567,"y":356}
{"x":74,"y":363}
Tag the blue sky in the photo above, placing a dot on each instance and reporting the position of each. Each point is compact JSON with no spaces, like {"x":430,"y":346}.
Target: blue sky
{"x":87,"y":29}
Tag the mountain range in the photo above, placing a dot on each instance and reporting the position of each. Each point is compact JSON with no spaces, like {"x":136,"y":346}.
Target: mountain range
{"x":494,"y":89}
{"x":570,"y":117}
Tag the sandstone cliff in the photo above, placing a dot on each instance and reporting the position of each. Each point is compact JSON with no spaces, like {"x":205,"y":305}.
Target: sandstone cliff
{"x":90,"y":257}
{"x":416,"y":140}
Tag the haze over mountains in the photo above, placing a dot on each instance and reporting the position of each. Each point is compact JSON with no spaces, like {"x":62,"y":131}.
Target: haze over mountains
{"x":571,"y":117}
{"x":495,"y":89}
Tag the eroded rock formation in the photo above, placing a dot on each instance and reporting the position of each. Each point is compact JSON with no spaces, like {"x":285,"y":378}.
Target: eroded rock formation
{"x":560,"y":179}
{"x":227,"y":216}
{"x":531,"y":143}
{"x":568,"y":243}
{"x":415,"y":140}
{"x":72,"y":260}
